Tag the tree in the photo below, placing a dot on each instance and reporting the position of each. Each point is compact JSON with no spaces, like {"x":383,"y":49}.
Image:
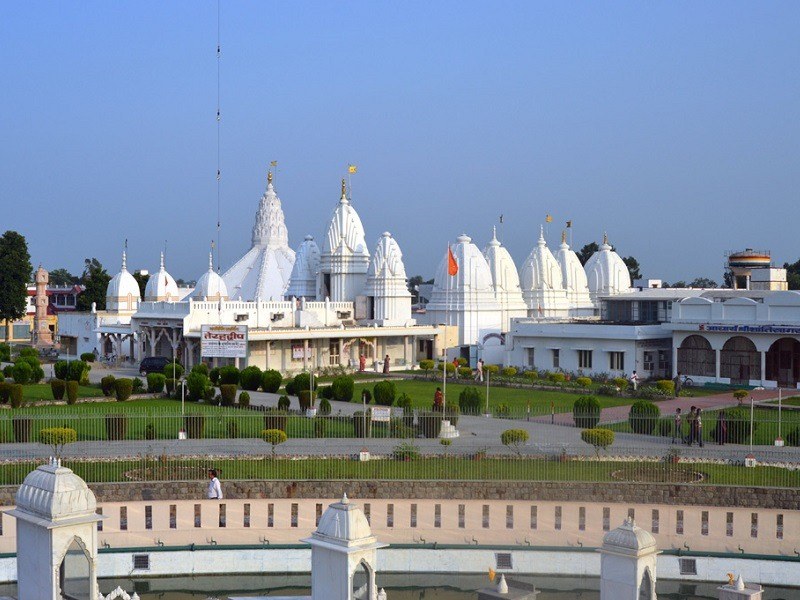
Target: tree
{"x":677,"y":284}
{"x":142,"y":281}
{"x":703,"y":282}
{"x":587,"y":251}
{"x":727,"y":280}
{"x":793,"y":275}
{"x":95,"y":279}
{"x":633,"y":267}
{"x":514,"y":438}
{"x":15,"y":273}
{"x":413,"y":283}
{"x":58,"y":438}
{"x":62,"y":277}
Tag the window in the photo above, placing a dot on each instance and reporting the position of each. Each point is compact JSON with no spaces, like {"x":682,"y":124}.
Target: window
{"x":437,"y":515}
{"x":148,"y":517}
{"x":462,"y":516}
{"x":558,"y":518}
{"x":655,"y":523}
{"x":556,"y":358}
{"x":729,"y":524}
{"x":486,"y":516}
{"x":688,"y":566}
{"x":754,"y":525}
{"x":534,"y":517}
{"x":368,"y":512}
{"x":509,"y":516}
{"x":413,"y":522}
{"x":648,"y":312}
{"x":270,"y":515}
{"x":582,"y":518}
{"x":318,"y":513}
{"x":530,"y":354}
{"x":198,"y":516}
{"x":704,"y":523}
{"x":584,"y":359}
{"x":390,"y":515}
{"x":779,"y":527}
{"x":503,"y":560}
{"x":606,"y":518}
{"x":295,"y":514}
{"x":679,"y":522}
{"x":647,"y":361}
{"x":141,"y":562}
{"x":333,"y":349}
{"x":616,"y":361}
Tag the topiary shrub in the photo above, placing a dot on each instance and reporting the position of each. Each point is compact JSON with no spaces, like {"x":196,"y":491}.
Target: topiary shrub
{"x":738,"y":420}
{"x":470,"y":401}
{"x":514,"y":439}
{"x":22,"y":372}
{"x":620,"y":382}
{"x":16,"y":395}
{"x":138,"y":385}
{"x":201,"y":368}
{"x":362,"y":423}
{"x":284,"y":403}
{"x":464,"y":372}
{"x":305,"y":399}
{"x":209,"y":397}
{"x":72,"y":392}
{"x":123,"y":388}
{"x":5,"y":392}
{"x":426,"y":365}
{"x":5,"y":352}
{"x":532,"y":375}
{"x":227,"y":393}
{"x":244,"y":399}
{"x":325,"y":392}
{"x":61,"y":369}
{"x":197,"y":384}
{"x":116,"y":425}
{"x":557,"y":377}
{"x":324,"y":407}
{"x":229,"y":375}
{"x":600,"y":438}
{"x":273,"y":437}
{"x":365,"y":397}
{"x":57,"y":438}
{"x":58,"y":387}
{"x":107,"y":385}
{"x":384,"y":392}
{"x":301,"y":381}
{"x":79,"y":371}
{"x":740,"y":395}
{"x":509,"y":371}
{"x":342,"y":388}
{"x":156,"y":382}
{"x":583,"y":382}
{"x":174,"y":370}
{"x":250,"y":378}
{"x":87,"y":357}
{"x":194,"y":423}
{"x":448,"y":366}
{"x":275,"y":418}
{"x":643,"y":417}
{"x":213,"y":375}
{"x":586,"y":412}
{"x":667,"y":386}
{"x":271,"y":381}
{"x":492,"y":369}
{"x":170,"y":384}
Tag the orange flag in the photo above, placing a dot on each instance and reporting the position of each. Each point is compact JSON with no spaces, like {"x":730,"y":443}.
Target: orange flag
{"x":452,"y":265}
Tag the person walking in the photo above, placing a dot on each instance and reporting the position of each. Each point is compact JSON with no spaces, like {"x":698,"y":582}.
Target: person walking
{"x":386,"y":363}
{"x":678,"y":383}
{"x":677,"y":431}
{"x":691,"y":420}
{"x":362,"y":363}
{"x":214,"y":486}
{"x":699,"y":427}
{"x":438,"y":399}
{"x":479,"y":371}
{"x":721,"y":434}
{"x":634,"y":381}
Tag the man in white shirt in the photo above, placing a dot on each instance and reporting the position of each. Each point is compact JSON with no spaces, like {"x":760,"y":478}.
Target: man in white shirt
{"x":214,"y":487}
{"x":634,"y":381}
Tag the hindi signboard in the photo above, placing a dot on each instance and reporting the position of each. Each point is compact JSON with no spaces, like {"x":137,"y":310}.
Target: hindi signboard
{"x":223,"y":341}
{"x":381,"y":413}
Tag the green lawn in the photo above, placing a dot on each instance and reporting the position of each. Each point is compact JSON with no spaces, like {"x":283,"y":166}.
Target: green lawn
{"x":791,"y":401}
{"x":42,"y":391}
{"x":421,"y":393}
{"x":448,"y":468}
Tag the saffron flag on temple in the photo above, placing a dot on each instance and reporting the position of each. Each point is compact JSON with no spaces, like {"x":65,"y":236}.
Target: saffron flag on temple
{"x":352,"y":169}
{"x":549,"y":218}
{"x":452,"y":265}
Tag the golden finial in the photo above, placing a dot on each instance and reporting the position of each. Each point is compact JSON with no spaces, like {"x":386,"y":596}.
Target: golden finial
{"x":269,"y":176}
{"x":605,"y":238}
{"x":344,"y":188}
{"x":564,"y":236}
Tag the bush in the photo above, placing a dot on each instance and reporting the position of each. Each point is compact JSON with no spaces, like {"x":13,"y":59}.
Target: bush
{"x":324,"y":407}
{"x":107,"y":385}
{"x":197,"y":384}
{"x":156,"y":382}
{"x":58,"y":387}
{"x":123,"y":389}
{"x":426,"y":365}
{"x":273,"y":437}
{"x":5,"y":392}
{"x":600,"y":438}
{"x":194,"y":423}
{"x":275,"y":418}
{"x":116,"y":425}
{"x":362,"y":426}
{"x":509,"y":371}
{"x":244,"y":399}
{"x":740,"y":395}
{"x":22,"y":372}
{"x":365,"y":397}
{"x":229,"y":375}
{"x":170,"y":384}
{"x":271,"y":381}
{"x":61,"y":369}
{"x":305,"y":398}
{"x":7,"y":370}
{"x":464,"y":372}
{"x":325,"y":392}
{"x":608,"y":390}
{"x":532,"y":375}
{"x":72,"y":392}
{"x":213,"y":375}
{"x":738,"y":420}
{"x":200,"y":367}
{"x":557,"y":377}
{"x":57,"y":437}
{"x":228,"y":393}
{"x":448,"y":365}
{"x":491,"y":369}
{"x":643,"y":416}
{"x":583,"y":382}
{"x":514,"y":438}
{"x":209,"y":397}
{"x":620,"y":382}
{"x":404,"y":401}
{"x":79,"y":371}
{"x":502,"y":411}
{"x":430,"y":423}
{"x":138,"y":385}
{"x":586,"y":412}
{"x":405,"y":451}
{"x":2,"y":377}
{"x":667,"y":386}
{"x":470,"y":401}
{"x":16,"y":395}
{"x":342,"y":388}
{"x":383,"y":392}
{"x":250,"y":378}
{"x":284,"y":403}
{"x":173,"y":370}
{"x":87,"y":357}
{"x":5,"y":352}
{"x":301,"y":381}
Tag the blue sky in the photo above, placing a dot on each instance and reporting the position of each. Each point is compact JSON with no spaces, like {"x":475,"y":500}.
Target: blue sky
{"x":673,"y":126}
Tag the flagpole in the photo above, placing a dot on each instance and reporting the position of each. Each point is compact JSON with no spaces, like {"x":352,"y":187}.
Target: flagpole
{"x":446,"y":324}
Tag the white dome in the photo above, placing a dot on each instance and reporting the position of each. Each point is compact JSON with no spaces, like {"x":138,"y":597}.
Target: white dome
{"x":629,"y":538}
{"x":344,"y":523}
{"x":303,"y":280}
{"x":387,"y":261}
{"x":505,"y":280}
{"x":606,"y":273}
{"x":573,"y":277}
{"x":122,"y":293}
{"x":541,"y":271}
{"x":54,"y":492}
{"x":210,"y":286}
{"x":263,"y":272}
{"x":161,"y":287}
{"x":345,"y":236}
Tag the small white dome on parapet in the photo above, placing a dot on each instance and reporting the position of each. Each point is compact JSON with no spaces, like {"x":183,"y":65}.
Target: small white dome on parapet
{"x":161,"y":287}
{"x":303,"y":280}
{"x":54,"y":492}
{"x":606,"y":273}
{"x":122,"y":293}
{"x":210,"y":286}
{"x":629,"y":538}
{"x":345,"y":523}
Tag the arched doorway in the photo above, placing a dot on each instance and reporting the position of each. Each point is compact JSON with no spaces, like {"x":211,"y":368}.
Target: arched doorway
{"x":646,"y":588}
{"x":361,"y":582}
{"x":740,"y":361}
{"x":783,"y":362}
{"x":696,"y":357}
{"x":74,"y":573}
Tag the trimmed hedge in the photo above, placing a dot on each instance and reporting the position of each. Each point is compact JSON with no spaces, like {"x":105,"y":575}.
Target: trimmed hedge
{"x":250,"y":378}
{"x":200,"y":368}
{"x":228,"y":393}
{"x":271,"y":381}
{"x":16,"y":395}
{"x":666,"y":386}
{"x":600,"y":438}
{"x":305,"y":399}
{"x":58,"y":387}
{"x":22,"y":372}
{"x":123,"y":389}
{"x":229,"y":375}
{"x":557,"y":377}
{"x":107,"y":385}
{"x":643,"y":417}
{"x":197,"y":384}
{"x":57,"y":437}
{"x":583,"y":381}
{"x":469,"y":401}
{"x":284,"y":403}
{"x":738,"y":420}
{"x":173,"y":370}
{"x":342,"y":388}
{"x":156,"y":382}
{"x":72,"y":392}
{"x":509,"y":371}
{"x":79,"y":371}
{"x":464,"y":372}
{"x":426,"y":364}
{"x":87,"y":357}
{"x":514,"y":438}
{"x":244,"y":399}
{"x":170,"y":385}
{"x":213,"y":375}
{"x":5,"y":391}
{"x":384,"y":392}
{"x":324,"y":407}
{"x":586,"y":412}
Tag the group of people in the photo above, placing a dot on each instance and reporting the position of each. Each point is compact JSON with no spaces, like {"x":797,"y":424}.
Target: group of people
{"x":362,"y":363}
{"x":695,"y":421}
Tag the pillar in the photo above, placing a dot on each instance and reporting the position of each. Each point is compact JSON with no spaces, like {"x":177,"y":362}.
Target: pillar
{"x":674,"y":360}
{"x":342,"y":362}
{"x":152,"y":337}
{"x":305,"y":355}
{"x":405,"y":350}
{"x":763,"y":368}
{"x":266,"y":357}
{"x":717,"y":354}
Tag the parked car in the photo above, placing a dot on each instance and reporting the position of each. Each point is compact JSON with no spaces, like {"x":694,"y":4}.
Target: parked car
{"x":153,"y":364}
